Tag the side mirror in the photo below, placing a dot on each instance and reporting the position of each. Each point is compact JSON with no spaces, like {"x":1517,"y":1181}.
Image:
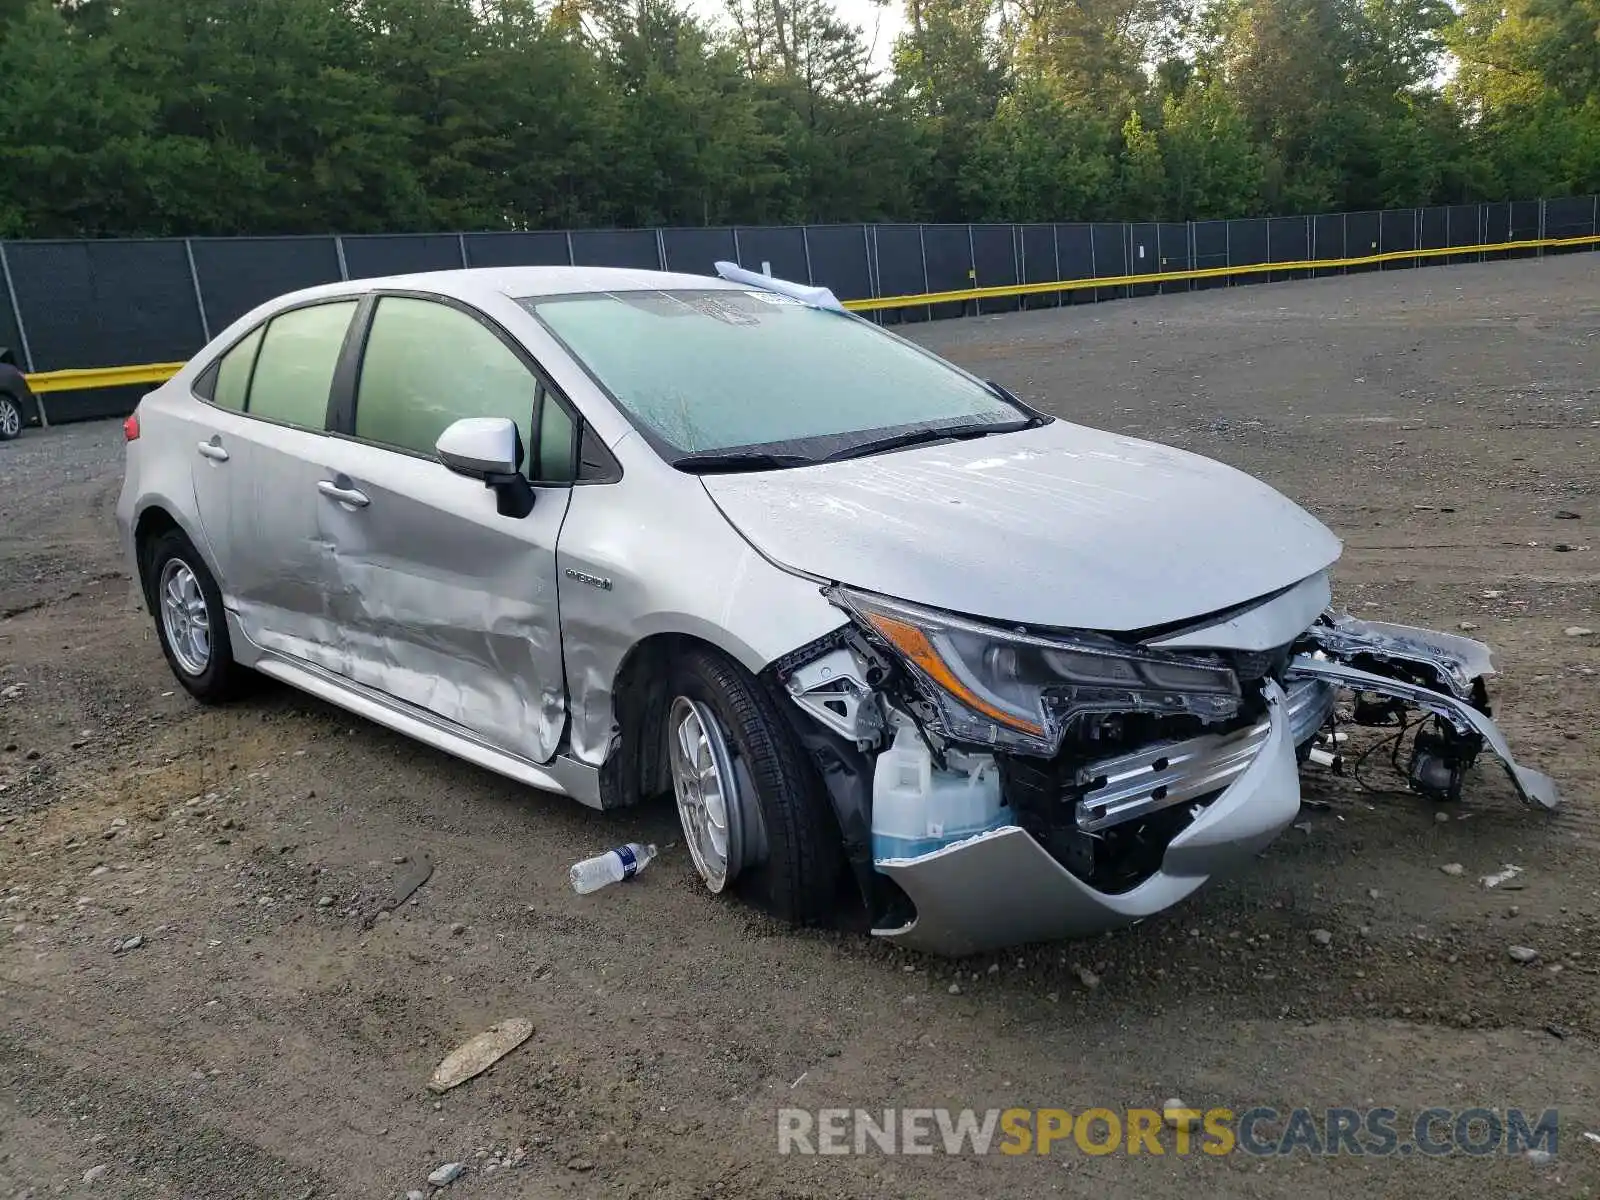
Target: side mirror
{"x":480,"y":446}
{"x":490,"y":449}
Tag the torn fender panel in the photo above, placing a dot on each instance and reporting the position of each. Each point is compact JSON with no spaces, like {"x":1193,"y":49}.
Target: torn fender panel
{"x":1534,"y":787}
{"x":1455,"y":660}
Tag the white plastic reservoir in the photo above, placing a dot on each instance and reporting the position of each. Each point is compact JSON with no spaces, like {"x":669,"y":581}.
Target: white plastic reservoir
{"x":917,"y":808}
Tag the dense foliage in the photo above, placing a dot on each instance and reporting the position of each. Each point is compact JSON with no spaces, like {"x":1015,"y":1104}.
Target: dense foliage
{"x":126,"y":117}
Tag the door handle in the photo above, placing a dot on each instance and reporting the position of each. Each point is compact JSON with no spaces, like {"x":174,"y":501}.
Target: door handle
{"x":349,"y":496}
{"x":213,"y":451}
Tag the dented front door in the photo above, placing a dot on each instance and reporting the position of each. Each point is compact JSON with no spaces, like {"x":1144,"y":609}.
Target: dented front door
{"x":443,"y":603}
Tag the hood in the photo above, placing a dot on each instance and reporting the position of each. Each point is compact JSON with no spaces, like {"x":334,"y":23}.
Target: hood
{"x":1061,"y":525}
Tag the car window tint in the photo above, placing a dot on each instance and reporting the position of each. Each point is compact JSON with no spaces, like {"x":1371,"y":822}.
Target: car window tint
{"x":233,"y":372}
{"x":427,"y":365}
{"x":555,"y":443}
{"x":295,"y":367}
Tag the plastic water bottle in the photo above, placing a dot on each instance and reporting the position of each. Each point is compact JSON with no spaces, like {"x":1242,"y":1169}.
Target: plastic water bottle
{"x":613,"y":866}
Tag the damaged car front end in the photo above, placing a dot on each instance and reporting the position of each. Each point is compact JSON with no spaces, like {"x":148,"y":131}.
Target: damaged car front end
{"x":1002,"y":784}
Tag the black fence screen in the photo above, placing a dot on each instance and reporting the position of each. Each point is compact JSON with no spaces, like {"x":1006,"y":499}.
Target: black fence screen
{"x":640,"y":248}
{"x":10,"y":338}
{"x":697,"y":251}
{"x":236,"y":274}
{"x":373,"y":255}
{"x":900,"y":268}
{"x":843,"y":255}
{"x":518,"y":249}
{"x":779,"y":252}
{"x":122,"y":303}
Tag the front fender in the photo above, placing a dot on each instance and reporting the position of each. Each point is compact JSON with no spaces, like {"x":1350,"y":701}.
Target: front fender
{"x":650,"y":556}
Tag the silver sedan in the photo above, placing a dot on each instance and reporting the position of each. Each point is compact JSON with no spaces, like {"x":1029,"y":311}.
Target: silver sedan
{"x":890,"y":637}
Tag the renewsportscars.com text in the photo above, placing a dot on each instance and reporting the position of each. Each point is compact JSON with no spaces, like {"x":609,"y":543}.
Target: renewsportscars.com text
{"x":1261,"y":1131}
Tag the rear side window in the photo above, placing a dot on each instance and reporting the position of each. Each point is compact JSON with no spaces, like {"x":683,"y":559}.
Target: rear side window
{"x":427,"y":365}
{"x":294,"y":368}
{"x":233,"y":373}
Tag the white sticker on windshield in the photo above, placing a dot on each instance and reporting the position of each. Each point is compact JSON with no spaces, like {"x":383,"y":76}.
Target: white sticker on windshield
{"x":774,"y":298}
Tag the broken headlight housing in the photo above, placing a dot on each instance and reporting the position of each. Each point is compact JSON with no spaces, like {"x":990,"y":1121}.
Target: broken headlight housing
{"x":1013,"y":689}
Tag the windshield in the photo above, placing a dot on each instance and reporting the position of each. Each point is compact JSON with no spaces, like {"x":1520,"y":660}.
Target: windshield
{"x":709,"y":371}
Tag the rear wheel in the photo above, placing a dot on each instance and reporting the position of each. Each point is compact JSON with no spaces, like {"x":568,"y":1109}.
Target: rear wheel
{"x":189,"y":618}
{"x":753,"y":812}
{"x":10,"y":417}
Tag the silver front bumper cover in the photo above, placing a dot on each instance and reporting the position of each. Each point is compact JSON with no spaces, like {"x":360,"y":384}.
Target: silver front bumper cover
{"x":1001,"y":887}
{"x":1161,"y":775}
{"x":1534,"y":787}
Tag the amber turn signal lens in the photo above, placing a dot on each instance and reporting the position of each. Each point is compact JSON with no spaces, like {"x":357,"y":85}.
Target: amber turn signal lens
{"x":914,"y":644}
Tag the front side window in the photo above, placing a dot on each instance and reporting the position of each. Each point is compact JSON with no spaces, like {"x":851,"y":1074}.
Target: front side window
{"x":707,"y":371}
{"x":427,"y":365}
{"x":555,"y":462}
{"x":294,"y":369}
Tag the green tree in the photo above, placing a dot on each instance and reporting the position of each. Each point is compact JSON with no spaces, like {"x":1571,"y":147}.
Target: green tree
{"x":1212,"y":167}
{"x":77,"y":156}
{"x":1043,"y":160}
{"x":281,"y":116}
{"x":1142,"y":174}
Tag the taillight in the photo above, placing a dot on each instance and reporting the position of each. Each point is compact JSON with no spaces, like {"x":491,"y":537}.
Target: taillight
{"x":130,"y":427}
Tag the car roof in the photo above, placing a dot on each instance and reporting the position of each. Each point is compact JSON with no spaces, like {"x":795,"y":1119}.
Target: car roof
{"x":478,"y":283}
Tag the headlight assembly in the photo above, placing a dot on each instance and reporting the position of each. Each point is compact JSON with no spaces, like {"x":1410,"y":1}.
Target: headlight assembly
{"x":1000,"y":687}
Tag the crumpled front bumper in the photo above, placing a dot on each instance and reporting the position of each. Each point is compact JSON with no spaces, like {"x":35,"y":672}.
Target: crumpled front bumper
{"x":1001,"y":887}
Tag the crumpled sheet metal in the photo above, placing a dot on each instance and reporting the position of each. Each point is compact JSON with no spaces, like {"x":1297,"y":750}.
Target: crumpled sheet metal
{"x":456,"y":617}
{"x":1535,"y":788}
{"x":1459,"y":659}
{"x":1001,"y":887}
{"x":1258,"y":627}
{"x":693,"y":576}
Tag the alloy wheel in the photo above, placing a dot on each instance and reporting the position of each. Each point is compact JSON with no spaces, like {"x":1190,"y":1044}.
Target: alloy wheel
{"x":709,"y":791}
{"x":185,"y":618}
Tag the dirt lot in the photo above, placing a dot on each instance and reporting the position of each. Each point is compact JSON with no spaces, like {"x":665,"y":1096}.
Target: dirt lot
{"x":263,"y":1041}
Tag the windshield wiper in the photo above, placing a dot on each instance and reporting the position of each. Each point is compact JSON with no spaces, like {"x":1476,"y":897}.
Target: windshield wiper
{"x":709,"y":464}
{"x":916,"y":437}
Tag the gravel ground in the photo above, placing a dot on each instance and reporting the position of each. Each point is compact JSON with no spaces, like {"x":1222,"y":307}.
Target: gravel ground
{"x":200,"y":994}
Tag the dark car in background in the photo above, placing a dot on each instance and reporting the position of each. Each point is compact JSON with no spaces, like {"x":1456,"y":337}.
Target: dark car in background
{"x":18,"y":407}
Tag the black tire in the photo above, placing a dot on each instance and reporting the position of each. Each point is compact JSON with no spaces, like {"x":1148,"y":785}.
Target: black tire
{"x":12,"y":418}
{"x":798,"y":881}
{"x":222,"y":679}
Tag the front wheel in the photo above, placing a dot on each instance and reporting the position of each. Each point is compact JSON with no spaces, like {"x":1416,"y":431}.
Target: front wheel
{"x":10,"y":417}
{"x":753,"y":811}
